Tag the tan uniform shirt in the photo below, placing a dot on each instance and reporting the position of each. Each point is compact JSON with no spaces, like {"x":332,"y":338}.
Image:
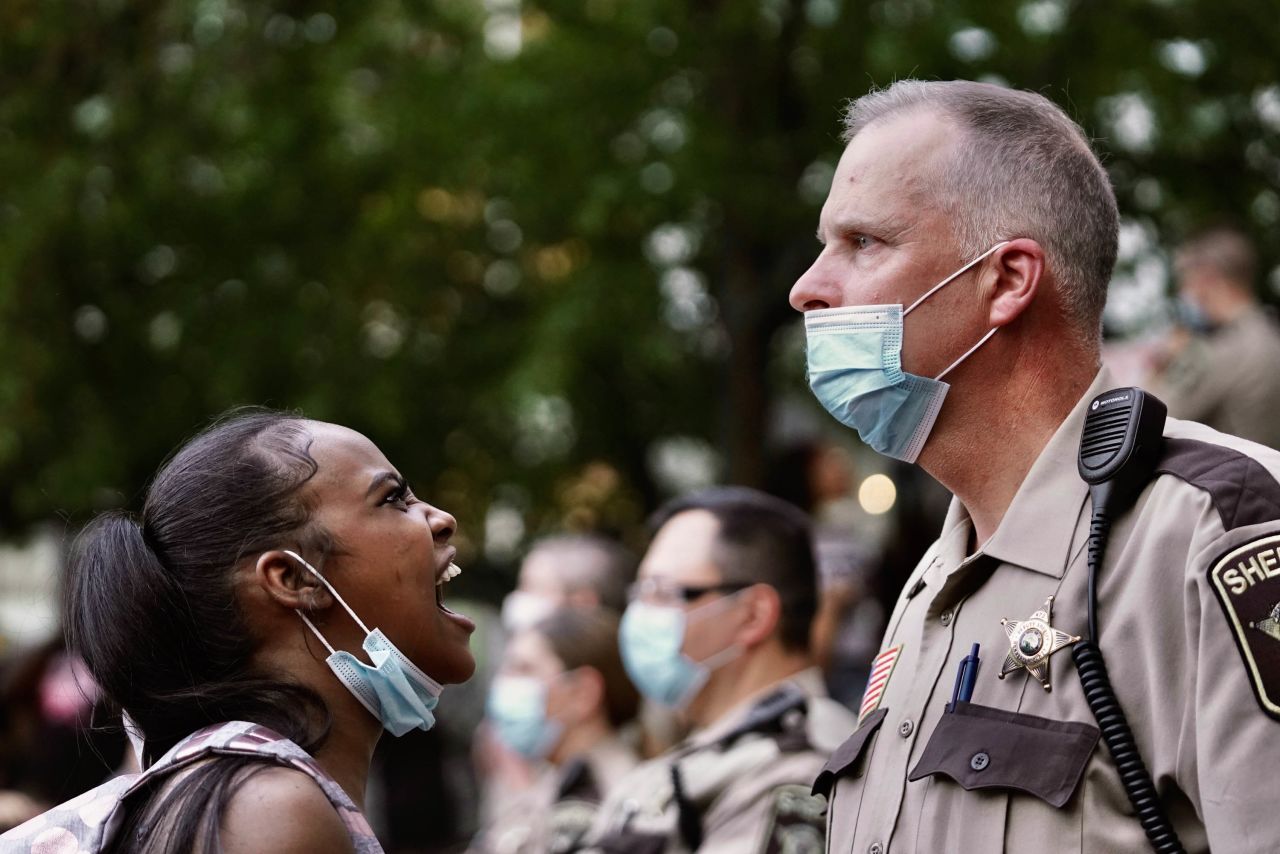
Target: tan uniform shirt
{"x":1021,"y":769}
{"x":555,"y":814}
{"x":1230,"y":379}
{"x":744,"y":782}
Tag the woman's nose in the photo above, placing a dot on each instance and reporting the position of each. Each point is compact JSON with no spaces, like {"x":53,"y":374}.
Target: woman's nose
{"x":442,"y":523}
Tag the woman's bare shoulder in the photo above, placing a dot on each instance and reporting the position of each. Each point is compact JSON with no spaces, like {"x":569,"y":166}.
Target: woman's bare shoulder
{"x":280,"y":810}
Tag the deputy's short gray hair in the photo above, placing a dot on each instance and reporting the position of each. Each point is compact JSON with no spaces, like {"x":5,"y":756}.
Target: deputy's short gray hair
{"x":1021,"y":168}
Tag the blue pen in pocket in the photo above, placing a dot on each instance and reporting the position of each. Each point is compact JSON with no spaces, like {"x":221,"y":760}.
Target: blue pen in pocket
{"x":962,"y":691}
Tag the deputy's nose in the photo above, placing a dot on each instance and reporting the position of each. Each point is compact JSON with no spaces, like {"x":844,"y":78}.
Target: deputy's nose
{"x":813,"y":289}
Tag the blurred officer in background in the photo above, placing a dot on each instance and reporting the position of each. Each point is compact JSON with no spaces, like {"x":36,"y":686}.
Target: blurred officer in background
{"x":561,"y":570}
{"x":1223,"y":368}
{"x":984,"y":211}
{"x":718,"y":626}
{"x":819,"y":477}
{"x":561,"y":696}
{"x":569,"y":569}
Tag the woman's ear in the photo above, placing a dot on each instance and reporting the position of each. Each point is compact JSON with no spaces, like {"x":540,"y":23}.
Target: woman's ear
{"x":289,"y":583}
{"x":1017,"y":268}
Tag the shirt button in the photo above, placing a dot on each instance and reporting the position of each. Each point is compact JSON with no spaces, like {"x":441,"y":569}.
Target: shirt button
{"x":979,"y":761}
{"x":906,"y":728}
{"x":945,"y":618}
{"x":875,"y":848}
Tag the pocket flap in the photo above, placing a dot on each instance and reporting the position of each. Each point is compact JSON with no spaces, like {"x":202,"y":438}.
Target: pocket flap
{"x":847,"y":754}
{"x":980,"y":747}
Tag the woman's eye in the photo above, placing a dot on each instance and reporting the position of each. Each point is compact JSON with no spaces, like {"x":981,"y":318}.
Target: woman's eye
{"x":398,"y":497}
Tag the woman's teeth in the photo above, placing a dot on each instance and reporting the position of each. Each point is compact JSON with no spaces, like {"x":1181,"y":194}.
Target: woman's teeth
{"x":451,"y":572}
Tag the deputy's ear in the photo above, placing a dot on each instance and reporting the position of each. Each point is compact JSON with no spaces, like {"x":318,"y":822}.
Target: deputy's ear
{"x":289,"y":583}
{"x":1017,"y":269}
{"x":763,"y":613}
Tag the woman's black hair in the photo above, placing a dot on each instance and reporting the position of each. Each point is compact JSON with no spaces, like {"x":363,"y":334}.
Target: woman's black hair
{"x":150,"y":605}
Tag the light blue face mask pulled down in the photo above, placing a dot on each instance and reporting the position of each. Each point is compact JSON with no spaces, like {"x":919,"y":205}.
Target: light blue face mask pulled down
{"x":393,"y":689}
{"x":650,"y":638}
{"x":854,"y":360}
{"x":517,"y":708}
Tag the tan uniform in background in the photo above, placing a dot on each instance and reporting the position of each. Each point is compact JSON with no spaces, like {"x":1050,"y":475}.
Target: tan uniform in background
{"x":554,"y":815}
{"x":1230,"y":379}
{"x":1189,"y":600}
{"x":743,"y":783}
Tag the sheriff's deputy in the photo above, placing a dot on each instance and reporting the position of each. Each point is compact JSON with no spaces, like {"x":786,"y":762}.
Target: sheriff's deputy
{"x":718,"y":627}
{"x":953,"y":319}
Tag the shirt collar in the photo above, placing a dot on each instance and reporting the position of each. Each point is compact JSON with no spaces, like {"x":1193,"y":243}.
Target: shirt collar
{"x":808,"y":682}
{"x":1037,"y":529}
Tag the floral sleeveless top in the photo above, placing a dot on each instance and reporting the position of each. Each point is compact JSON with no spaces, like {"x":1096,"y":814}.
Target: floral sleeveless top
{"x":91,"y":821}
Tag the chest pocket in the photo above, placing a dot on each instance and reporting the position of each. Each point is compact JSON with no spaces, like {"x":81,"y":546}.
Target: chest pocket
{"x":984,"y":748}
{"x":844,"y":761}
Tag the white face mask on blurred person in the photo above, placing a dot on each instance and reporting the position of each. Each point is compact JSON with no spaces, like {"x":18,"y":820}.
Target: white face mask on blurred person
{"x":523,"y":610}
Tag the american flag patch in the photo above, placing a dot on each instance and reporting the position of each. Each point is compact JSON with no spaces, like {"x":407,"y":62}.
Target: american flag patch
{"x":881,"y":669}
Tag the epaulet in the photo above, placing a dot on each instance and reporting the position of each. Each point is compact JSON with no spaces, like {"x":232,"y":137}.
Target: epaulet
{"x":780,"y":713}
{"x":1241,"y":489}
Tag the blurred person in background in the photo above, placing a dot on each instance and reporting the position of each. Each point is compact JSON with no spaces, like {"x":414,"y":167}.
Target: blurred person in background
{"x":561,"y":698}
{"x":819,"y":477}
{"x":587,"y":570}
{"x":275,"y":606}
{"x":718,"y":627}
{"x":1222,"y":366}
{"x":57,"y":736}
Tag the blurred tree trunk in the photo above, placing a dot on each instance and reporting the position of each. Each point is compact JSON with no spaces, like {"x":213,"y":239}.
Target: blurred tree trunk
{"x":757,"y":102}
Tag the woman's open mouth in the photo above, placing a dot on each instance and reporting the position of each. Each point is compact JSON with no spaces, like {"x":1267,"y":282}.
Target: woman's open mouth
{"x":449,"y":573}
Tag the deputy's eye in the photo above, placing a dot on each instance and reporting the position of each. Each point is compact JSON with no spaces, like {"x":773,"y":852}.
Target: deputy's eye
{"x":862,"y":241}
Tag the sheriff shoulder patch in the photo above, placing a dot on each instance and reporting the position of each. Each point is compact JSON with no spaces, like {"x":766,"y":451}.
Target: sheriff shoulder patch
{"x":1246,"y":581}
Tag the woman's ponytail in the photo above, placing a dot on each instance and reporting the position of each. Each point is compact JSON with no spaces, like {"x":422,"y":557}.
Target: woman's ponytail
{"x":122,"y":611}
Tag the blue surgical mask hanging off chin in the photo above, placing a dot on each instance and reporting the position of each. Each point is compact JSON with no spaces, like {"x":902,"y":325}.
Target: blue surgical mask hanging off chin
{"x":855,"y":370}
{"x":393,"y":689}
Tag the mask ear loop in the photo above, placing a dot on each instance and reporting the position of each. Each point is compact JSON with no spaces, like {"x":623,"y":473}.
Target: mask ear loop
{"x":968,"y":353}
{"x":341,"y":602}
{"x":949,"y":279}
{"x":733,"y":650}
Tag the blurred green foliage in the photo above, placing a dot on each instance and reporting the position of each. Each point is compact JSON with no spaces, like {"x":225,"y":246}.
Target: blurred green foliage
{"x":523,"y":245}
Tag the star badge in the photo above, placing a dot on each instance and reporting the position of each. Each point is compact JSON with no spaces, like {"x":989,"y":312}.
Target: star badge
{"x":1271,"y":625}
{"x":1032,"y":641}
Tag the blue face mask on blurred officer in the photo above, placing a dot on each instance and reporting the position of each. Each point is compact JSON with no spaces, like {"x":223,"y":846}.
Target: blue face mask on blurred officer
{"x":650,"y":639}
